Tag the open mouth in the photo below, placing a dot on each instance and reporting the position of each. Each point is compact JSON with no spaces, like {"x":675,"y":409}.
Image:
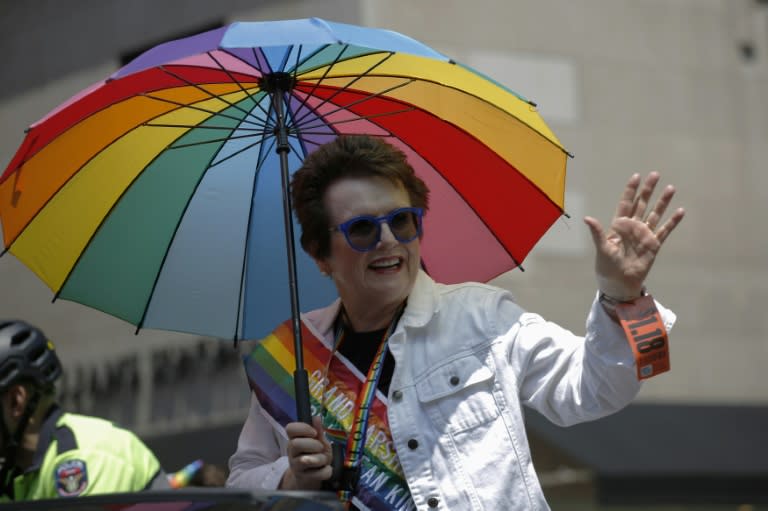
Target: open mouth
{"x":386,"y":263}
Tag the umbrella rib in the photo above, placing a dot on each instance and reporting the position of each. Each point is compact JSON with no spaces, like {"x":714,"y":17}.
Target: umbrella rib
{"x":210,"y":141}
{"x":65,"y":182}
{"x":262,"y":158}
{"x":259,"y":124}
{"x":238,"y":152}
{"x":98,"y":228}
{"x":298,"y":61}
{"x":199,"y":126}
{"x":140,"y":324}
{"x":209,"y":166}
{"x":104,"y":219}
{"x":239,"y":83}
{"x":316,"y":85}
{"x":357,"y":102}
{"x":202,"y":89}
{"x":285,"y":57}
{"x":355,"y":78}
{"x":256,"y":59}
{"x":336,"y":60}
{"x":480,"y":98}
{"x":304,"y":131}
{"x":293,"y":146}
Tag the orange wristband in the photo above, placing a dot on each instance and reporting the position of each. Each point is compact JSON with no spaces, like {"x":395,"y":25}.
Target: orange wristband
{"x":646,"y":335}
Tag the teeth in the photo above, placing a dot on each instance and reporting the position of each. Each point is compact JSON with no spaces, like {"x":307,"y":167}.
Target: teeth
{"x":385,"y":263}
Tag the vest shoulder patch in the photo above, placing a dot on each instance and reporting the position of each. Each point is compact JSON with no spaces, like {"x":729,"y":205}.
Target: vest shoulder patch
{"x":71,"y":478}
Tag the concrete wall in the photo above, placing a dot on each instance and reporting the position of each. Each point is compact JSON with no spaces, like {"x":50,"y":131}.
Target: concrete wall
{"x":627,"y":85}
{"x":658,"y":85}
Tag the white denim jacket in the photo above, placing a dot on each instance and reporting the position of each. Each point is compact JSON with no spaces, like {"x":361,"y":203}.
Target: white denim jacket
{"x":467,"y":359}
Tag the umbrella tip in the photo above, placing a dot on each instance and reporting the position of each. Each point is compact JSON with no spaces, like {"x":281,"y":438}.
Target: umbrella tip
{"x":533,"y":104}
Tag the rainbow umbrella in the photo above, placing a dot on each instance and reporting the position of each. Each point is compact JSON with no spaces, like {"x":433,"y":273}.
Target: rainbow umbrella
{"x":160,"y":194}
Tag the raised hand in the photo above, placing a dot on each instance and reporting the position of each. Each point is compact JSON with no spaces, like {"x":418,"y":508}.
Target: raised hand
{"x":626,"y":252}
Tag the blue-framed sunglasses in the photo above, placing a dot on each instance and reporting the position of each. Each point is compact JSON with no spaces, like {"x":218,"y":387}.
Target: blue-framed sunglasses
{"x":363,"y":232}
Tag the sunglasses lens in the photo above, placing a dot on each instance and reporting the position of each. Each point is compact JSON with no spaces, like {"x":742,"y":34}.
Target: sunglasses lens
{"x":404,"y":225}
{"x":363,"y":233}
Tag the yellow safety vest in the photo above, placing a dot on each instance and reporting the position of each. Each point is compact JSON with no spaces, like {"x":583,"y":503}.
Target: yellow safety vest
{"x":79,"y":455}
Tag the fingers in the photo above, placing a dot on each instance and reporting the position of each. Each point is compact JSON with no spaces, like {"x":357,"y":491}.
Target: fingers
{"x":317,"y":423}
{"x":300,"y":429}
{"x":309,"y":447}
{"x":633,"y":204}
{"x":627,"y":201}
{"x":308,"y":453}
{"x":636,"y":199}
{"x":666,"y":229}
{"x":642,"y":200}
{"x":595,"y":229}
{"x":656,"y":214}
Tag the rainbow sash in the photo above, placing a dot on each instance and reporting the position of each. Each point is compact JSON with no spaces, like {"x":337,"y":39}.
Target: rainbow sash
{"x":270,"y":368}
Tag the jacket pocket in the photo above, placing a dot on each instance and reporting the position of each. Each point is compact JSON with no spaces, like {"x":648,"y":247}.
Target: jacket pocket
{"x":460,"y":392}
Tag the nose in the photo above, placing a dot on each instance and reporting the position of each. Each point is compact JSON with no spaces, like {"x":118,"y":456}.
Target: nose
{"x":387,"y":238}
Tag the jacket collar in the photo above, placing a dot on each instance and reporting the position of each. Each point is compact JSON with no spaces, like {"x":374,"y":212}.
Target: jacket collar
{"x":422,"y":305}
{"x":422,"y":302}
{"x":46,"y":437}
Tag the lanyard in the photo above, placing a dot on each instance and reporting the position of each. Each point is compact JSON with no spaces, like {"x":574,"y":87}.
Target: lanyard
{"x":364,"y":402}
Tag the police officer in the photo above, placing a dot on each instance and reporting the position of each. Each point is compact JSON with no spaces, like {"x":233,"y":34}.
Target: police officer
{"x":46,"y":452}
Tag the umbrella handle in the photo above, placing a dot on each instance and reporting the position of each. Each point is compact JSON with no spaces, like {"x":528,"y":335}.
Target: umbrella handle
{"x":342,"y":478}
{"x":337,"y":463}
{"x":301,"y":387}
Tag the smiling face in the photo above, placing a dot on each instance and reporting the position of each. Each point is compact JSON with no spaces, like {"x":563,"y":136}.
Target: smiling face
{"x":371,"y":284}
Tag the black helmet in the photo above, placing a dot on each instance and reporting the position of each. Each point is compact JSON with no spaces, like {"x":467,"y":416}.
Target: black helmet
{"x":26,"y":355}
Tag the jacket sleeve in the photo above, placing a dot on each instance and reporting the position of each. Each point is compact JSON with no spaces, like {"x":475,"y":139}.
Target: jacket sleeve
{"x":571,"y":379}
{"x":260,"y":460}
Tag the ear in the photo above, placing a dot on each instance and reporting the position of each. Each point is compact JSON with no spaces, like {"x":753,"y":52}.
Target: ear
{"x":17,"y":397}
{"x":323,"y":266}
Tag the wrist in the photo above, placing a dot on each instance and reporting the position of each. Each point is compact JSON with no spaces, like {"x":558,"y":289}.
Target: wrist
{"x":614,"y":299}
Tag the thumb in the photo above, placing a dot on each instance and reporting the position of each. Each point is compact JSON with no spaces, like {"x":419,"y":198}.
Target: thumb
{"x":595,"y":229}
{"x":317,"y":423}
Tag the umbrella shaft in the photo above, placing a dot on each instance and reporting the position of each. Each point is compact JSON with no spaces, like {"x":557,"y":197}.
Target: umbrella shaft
{"x":300,"y":377}
{"x":281,"y":131}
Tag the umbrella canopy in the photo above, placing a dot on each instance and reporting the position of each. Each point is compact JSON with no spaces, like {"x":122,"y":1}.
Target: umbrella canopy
{"x":155,"y":195}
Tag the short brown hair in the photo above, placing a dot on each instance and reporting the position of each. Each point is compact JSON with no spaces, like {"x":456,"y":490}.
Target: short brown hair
{"x":346,"y":156}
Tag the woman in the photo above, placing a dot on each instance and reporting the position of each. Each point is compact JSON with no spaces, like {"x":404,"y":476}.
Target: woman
{"x":451,"y":365}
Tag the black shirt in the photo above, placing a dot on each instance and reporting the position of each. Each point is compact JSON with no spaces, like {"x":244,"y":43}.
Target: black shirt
{"x":361,"y":347}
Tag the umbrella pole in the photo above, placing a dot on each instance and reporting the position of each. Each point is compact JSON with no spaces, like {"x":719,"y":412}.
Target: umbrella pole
{"x":300,"y":376}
